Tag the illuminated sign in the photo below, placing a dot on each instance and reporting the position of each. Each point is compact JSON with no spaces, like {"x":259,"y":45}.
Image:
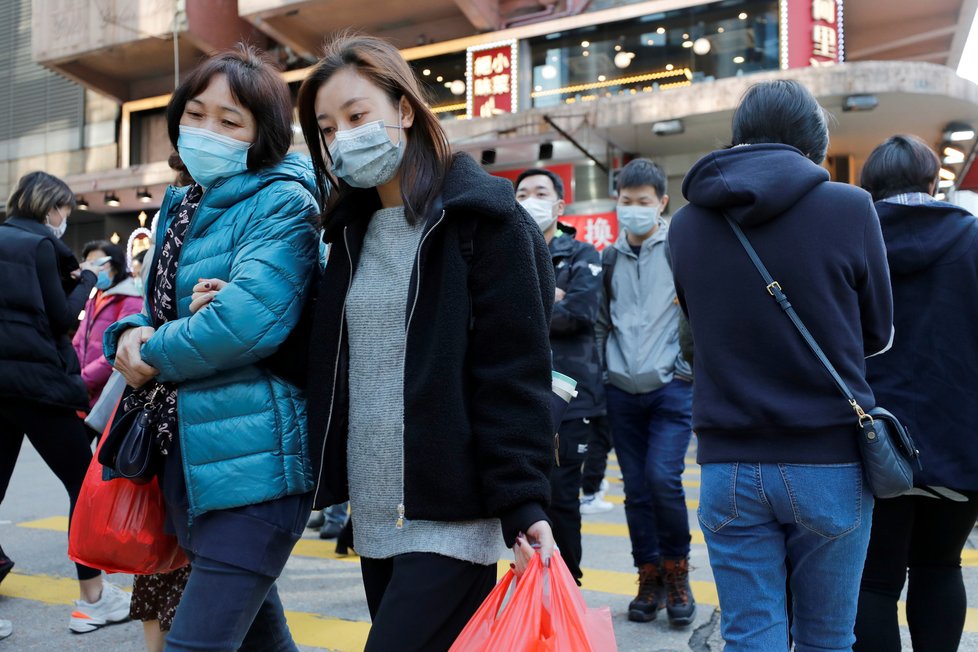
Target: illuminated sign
{"x":491,"y":79}
{"x":811,"y":33}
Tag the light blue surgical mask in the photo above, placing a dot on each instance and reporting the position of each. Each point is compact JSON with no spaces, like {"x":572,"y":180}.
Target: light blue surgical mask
{"x":210,"y":157}
{"x":104,"y":281}
{"x":365,"y":157}
{"x":638,"y":220}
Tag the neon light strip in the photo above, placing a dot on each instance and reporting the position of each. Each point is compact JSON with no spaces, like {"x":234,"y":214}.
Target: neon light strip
{"x":448,"y":108}
{"x":783,"y":29}
{"x":842,"y":38}
{"x":615,"y":82}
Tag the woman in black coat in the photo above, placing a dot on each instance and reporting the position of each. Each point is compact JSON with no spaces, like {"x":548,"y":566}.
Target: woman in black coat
{"x":929,"y":379}
{"x":429,"y":381}
{"x":42,"y":291}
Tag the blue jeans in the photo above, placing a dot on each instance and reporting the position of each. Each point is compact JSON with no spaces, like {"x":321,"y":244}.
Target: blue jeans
{"x":651,"y":434}
{"x":754,"y":517}
{"x":225,"y":608}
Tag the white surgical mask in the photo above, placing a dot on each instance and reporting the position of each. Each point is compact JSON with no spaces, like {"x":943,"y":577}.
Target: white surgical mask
{"x":638,"y":220}
{"x":59,"y":230}
{"x":541,"y":210}
{"x":364,"y":156}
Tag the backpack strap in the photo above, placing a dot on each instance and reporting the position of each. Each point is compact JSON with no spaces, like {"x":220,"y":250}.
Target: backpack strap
{"x":608,"y":258}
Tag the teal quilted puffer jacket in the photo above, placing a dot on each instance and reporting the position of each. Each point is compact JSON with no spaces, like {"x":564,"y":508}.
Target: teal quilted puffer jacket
{"x":243,"y":430}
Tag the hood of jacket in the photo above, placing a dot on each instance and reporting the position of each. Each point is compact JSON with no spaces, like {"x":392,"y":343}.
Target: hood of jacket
{"x":124,"y":288}
{"x":564,"y":242}
{"x":232,"y":190}
{"x":491,"y":197}
{"x":918,"y":236}
{"x":752,"y":184}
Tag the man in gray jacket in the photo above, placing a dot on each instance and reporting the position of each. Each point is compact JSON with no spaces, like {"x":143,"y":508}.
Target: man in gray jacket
{"x":649,"y":394}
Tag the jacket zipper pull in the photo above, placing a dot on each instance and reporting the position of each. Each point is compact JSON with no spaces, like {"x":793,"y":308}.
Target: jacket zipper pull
{"x":400,"y":517}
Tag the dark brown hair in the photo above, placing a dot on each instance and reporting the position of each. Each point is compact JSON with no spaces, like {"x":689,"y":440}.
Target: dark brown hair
{"x":428,"y":154}
{"x":257,"y":86}
{"x":899,"y":165}
{"x":36,"y":194}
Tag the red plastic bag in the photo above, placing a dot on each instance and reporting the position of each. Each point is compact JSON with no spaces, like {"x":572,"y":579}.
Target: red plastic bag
{"x":117,"y":526}
{"x":546,"y":613}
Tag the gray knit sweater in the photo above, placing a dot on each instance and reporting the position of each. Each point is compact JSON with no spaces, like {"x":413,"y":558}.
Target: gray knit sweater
{"x":375,"y":314}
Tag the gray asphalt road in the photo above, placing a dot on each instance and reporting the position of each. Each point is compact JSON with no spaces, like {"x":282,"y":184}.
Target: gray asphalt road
{"x":322,"y":593}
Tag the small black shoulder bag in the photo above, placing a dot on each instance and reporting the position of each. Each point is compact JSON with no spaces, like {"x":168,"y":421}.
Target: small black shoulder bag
{"x":887,"y":450}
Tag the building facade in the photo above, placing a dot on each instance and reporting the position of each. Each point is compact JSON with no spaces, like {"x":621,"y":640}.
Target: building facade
{"x":579,"y":86}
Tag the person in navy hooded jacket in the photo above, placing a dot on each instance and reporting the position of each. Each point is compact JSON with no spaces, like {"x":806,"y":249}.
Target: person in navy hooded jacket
{"x":929,"y":379}
{"x":781,"y":473}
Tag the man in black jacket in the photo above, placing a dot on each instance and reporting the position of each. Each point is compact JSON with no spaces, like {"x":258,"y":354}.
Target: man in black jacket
{"x":577,"y":271}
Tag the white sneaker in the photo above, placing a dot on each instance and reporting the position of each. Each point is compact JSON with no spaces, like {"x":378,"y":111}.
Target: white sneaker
{"x":112,"y":607}
{"x":6,"y":628}
{"x":602,"y":488}
{"x":593,"y":504}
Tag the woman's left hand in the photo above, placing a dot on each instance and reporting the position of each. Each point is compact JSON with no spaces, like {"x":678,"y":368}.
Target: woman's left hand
{"x":204,"y":292}
{"x":539,"y":538}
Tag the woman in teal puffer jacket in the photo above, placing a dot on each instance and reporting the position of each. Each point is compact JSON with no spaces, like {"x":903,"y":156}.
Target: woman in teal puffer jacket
{"x":236,"y":474}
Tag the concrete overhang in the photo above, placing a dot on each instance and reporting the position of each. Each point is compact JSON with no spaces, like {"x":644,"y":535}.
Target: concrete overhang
{"x":914,"y":97}
{"x":125,"y":49}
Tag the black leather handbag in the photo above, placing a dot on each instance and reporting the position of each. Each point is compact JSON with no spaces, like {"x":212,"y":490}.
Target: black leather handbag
{"x":130,"y":447}
{"x":888,"y":453}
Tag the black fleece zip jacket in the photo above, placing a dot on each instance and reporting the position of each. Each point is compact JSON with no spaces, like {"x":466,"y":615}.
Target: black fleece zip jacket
{"x":478,"y":436}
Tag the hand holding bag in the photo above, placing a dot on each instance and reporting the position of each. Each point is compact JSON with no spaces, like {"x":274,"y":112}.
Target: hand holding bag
{"x":129,"y":448}
{"x":887,"y":451}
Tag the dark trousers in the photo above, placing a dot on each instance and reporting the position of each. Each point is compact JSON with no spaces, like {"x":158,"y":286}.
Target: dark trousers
{"x":921,"y":537}
{"x":564,"y":511}
{"x":652,"y":433}
{"x":596,"y":463}
{"x":59,"y":437}
{"x":226,"y":608}
{"x":420,"y":602}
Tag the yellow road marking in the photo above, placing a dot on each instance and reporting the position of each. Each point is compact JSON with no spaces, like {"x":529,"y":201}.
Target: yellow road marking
{"x":691,"y":484}
{"x":56,"y":523}
{"x":691,"y":503}
{"x":307,"y":628}
{"x":621,"y":530}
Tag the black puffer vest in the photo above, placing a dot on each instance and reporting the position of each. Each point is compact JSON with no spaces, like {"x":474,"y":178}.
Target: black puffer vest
{"x":37,"y":363}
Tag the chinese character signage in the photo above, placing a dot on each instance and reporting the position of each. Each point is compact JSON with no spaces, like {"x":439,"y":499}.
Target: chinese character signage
{"x":490,"y":79}
{"x":811,"y":33}
{"x":600,"y":230}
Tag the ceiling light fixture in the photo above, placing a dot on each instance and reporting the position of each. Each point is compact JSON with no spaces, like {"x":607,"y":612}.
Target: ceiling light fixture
{"x":860,"y":103}
{"x":668,"y":127}
{"x":144,"y":195}
{"x":81,"y":204}
{"x":111,"y":199}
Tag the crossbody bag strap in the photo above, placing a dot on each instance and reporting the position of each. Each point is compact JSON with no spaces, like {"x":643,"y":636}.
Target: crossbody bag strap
{"x":774,"y":289}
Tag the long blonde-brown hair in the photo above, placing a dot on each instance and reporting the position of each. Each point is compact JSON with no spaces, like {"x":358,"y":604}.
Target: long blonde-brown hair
{"x":427,"y":156}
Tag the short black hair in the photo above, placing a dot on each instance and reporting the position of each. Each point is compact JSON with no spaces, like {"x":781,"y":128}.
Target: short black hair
{"x":257,"y":86}
{"x":900,"y":164}
{"x":535,"y":172}
{"x":643,"y":172}
{"x":784,"y":112}
{"x":36,"y":194}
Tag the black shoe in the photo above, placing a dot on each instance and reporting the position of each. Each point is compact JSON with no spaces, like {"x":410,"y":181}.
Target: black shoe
{"x":651,"y":595}
{"x":330,"y":530}
{"x":316,"y":520}
{"x":344,"y":542}
{"x":680,"y":605}
{"x":6,"y":564}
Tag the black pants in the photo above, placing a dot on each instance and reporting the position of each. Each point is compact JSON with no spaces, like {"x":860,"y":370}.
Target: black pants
{"x":420,"y":602}
{"x":60,"y":438}
{"x":596,"y":463}
{"x":564,"y":511}
{"x":925,"y":536}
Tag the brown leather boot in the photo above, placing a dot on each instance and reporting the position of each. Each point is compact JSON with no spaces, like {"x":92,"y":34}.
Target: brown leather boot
{"x":680,"y":605}
{"x":651,"y":595}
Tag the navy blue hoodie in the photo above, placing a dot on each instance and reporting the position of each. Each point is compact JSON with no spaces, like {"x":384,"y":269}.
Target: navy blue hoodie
{"x":929,"y":379}
{"x":760,"y":394}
